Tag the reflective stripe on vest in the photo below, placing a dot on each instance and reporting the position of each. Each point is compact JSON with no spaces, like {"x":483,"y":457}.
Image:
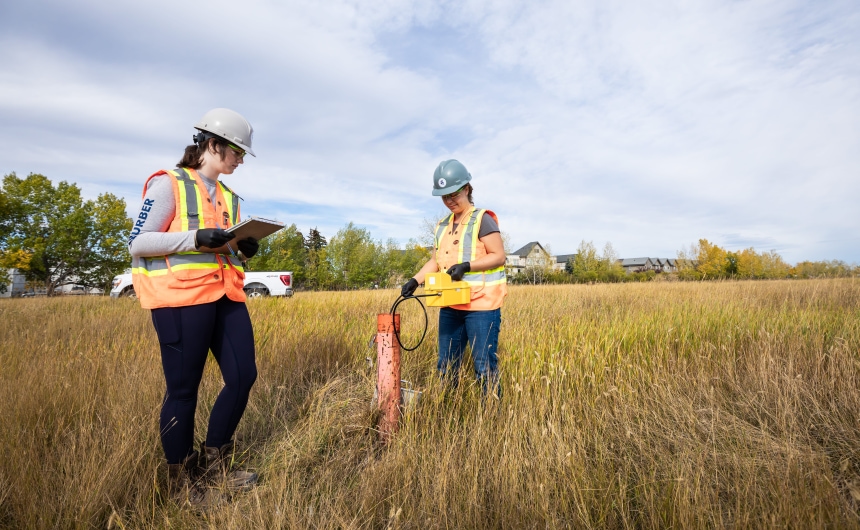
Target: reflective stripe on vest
{"x":189,"y":196}
{"x":183,"y":261}
{"x":232,"y":203}
{"x":467,"y":250}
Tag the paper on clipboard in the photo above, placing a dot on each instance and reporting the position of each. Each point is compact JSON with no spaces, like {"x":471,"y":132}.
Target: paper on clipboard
{"x":255,"y":227}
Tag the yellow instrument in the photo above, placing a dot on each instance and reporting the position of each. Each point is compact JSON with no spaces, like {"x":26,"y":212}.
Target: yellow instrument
{"x":447,"y":291}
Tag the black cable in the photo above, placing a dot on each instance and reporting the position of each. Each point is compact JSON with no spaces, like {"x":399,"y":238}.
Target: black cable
{"x":401,"y":299}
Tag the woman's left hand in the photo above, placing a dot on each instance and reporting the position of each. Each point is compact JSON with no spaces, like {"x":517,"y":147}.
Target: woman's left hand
{"x":457,"y":271}
{"x":248,"y":247}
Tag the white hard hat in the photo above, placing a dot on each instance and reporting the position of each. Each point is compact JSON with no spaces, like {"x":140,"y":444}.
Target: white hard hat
{"x":229,"y":125}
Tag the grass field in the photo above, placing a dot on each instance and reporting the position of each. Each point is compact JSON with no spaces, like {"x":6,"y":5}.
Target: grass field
{"x":659,"y":405}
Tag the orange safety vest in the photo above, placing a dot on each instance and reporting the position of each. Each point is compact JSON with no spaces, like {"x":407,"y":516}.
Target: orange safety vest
{"x":191,"y":278}
{"x":488,"y":288}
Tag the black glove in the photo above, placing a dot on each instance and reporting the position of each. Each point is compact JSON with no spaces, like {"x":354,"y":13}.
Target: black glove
{"x":409,"y":287}
{"x":457,"y":271}
{"x":248,"y":247}
{"x":212,"y":237}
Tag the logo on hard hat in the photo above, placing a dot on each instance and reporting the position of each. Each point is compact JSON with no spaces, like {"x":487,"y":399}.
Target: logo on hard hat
{"x":442,"y":183}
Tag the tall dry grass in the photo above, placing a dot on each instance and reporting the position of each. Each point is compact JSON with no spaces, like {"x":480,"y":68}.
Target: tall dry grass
{"x":650,"y":406}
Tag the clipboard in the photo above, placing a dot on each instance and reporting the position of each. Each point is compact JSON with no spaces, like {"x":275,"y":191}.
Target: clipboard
{"x":255,"y":227}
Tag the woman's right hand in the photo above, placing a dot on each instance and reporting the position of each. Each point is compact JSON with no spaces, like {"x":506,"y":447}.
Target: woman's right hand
{"x":212,"y":237}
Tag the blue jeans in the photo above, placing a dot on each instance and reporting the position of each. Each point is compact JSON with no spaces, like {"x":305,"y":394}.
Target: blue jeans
{"x":481,"y":330}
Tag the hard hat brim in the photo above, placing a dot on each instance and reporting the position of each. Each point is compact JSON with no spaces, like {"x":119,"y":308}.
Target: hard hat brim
{"x":246,"y":148}
{"x":446,"y":191}
{"x":220,"y":135}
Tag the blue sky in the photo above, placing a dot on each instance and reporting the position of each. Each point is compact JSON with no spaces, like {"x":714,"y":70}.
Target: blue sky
{"x":645,"y":124}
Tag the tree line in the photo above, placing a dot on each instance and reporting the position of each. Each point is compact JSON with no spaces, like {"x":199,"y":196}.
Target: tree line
{"x":352,"y":259}
{"x":706,"y":261}
{"x":587,"y":266}
{"x":701,"y":261}
{"x":56,"y":238}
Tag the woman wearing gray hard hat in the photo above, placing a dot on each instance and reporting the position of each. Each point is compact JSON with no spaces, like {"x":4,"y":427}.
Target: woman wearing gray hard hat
{"x":468,"y":246}
{"x":187,"y":270}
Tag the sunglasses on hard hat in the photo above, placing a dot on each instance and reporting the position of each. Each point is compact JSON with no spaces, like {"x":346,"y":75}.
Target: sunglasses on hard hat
{"x":453,"y":195}
{"x":240,"y":153}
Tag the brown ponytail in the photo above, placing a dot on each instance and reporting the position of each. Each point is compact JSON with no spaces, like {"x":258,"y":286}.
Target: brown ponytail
{"x":193,"y":156}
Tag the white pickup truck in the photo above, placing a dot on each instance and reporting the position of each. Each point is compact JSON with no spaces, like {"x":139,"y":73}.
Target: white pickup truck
{"x":257,"y":285}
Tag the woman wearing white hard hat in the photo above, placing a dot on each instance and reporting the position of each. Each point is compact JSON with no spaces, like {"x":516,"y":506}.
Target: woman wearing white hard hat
{"x":188,"y":270}
{"x":468,"y":246}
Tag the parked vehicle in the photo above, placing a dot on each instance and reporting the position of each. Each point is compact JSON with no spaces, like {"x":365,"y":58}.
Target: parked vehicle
{"x":257,"y":285}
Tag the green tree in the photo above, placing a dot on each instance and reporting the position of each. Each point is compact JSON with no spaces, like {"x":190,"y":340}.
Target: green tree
{"x":354,"y":257}
{"x":774,"y":266}
{"x":387,"y":265}
{"x":315,"y":240}
{"x":610,"y":266}
{"x":6,"y":223}
{"x":406,"y":262}
{"x":318,"y":273}
{"x":589,"y":266}
{"x":824,"y":269}
{"x":731,"y":266}
{"x":282,"y":251}
{"x":107,"y":240}
{"x":58,"y":237}
{"x":586,"y":263}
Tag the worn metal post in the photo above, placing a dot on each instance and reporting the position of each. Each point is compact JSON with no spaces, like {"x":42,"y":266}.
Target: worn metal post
{"x":388,"y":374}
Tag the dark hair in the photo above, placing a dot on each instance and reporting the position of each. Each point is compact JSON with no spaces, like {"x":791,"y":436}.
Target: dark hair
{"x":193,"y":156}
{"x":470,"y":194}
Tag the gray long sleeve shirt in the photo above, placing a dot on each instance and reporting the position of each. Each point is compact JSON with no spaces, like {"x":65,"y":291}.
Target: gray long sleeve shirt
{"x":148,"y":236}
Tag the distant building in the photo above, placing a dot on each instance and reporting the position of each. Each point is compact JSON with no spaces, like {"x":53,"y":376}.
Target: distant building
{"x":667,"y":264}
{"x":562,"y":260}
{"x":534,"y":254}
{"x":531,"y":255}
{"x":650,"y":264}
{"x":17,"y":284}
{"x":637,"y":264}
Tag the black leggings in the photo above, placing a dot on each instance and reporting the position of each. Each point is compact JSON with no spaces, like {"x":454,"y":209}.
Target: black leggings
{"x":186,"y":334}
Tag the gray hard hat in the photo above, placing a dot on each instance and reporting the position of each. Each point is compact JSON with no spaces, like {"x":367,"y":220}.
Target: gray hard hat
{"x":229,"y":125}
{"x":449,"y":177}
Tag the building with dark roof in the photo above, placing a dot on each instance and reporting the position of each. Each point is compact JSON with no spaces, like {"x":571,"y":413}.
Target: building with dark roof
{"x":562,"y":260}
{"x":530,"y":255}
{"x":637,"y":264}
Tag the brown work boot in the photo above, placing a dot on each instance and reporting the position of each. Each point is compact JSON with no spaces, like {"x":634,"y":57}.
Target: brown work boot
{"x":183,"y":488}
{"x":217,"y":462}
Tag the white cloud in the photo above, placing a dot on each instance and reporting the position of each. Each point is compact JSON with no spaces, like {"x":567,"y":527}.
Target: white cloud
{"x":648,"y":124}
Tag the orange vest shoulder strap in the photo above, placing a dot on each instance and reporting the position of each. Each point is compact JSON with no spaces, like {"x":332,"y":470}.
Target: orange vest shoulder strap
{"x":493,"y":215}
{"x":157,"y":173}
